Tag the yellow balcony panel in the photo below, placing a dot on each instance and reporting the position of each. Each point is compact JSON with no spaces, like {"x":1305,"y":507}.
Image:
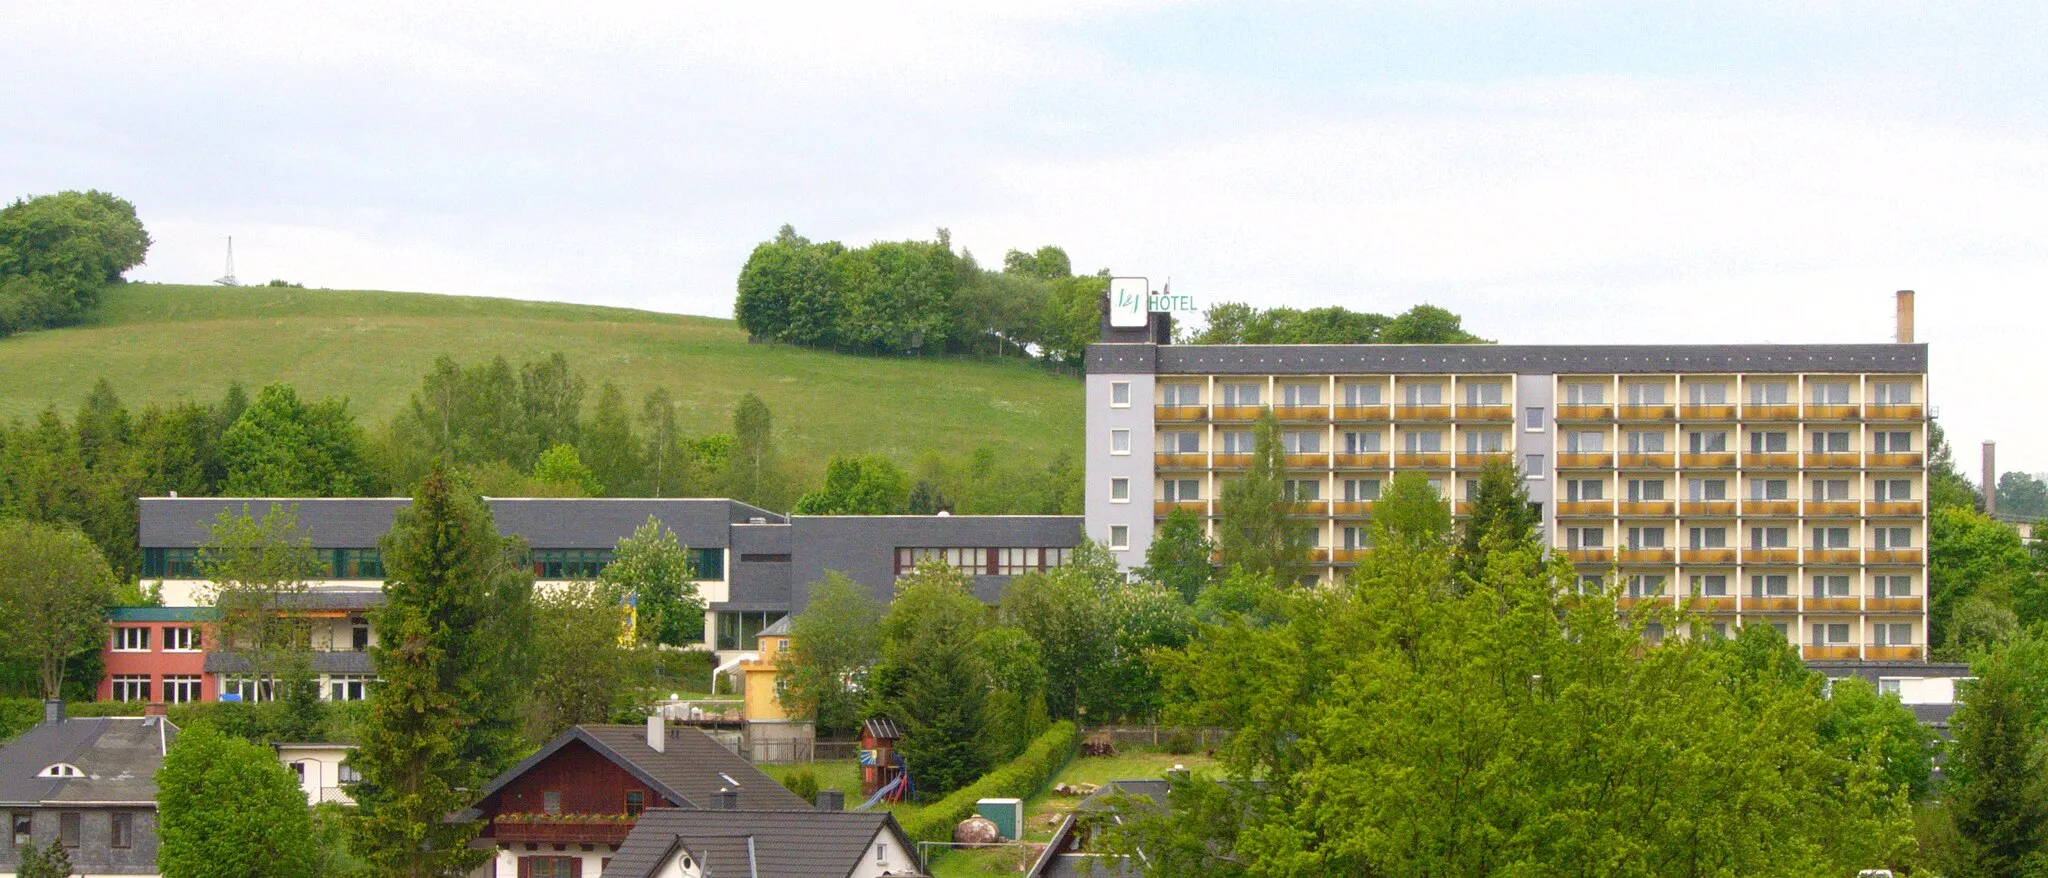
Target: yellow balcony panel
{"x":1319,"y":556}
{"x":1422,"y":413}
{"x":1692,"y":508}
{"x":1590,"y":556}
{"x":1716,"y":604}
{"x":1770,"y":556}
{"x":1362,"y":413}
{"x":1486,"y":413}
{"x":1892,"y":605}
{"x":1367,"y":460}
{"x":1648,"y":507}
{"x":1236,"y":412}
{"x":1706,"y":556}
{"x":1834,"y":412}
{"x":1427,"y":459}
{"x":1348,"y":556}
{"x":1185,"y":460}
{"x":1770,"y":413}
{"x":1659,"y":601}
{"x":1773,"y":603}
{"x":1831,"y":508}
{"x":1833,"y":605}
{"x":1645,"y":412}
{"x":1770,"y":460}
{"x":1586,"y":507}
{"x":1476,"y":459}
{"x":1585,"y":460}
{"x":1315,"y":413}
{"x":1648,"y":460}
{"x":1894,"y":653}
{"x":1712,"y":460}
{"x":1894,"y":413}
{"x":1309,"y":460}
{"x":1834,"y":460}
{"x":1770,"y":507}
{"x":1646,"y":556}
{"x":1827,"y":653}
{"x":1894,"y":508}
{"x":1179,"y":413}
{"x":1834,"y":556}
{"x":1309,"y":507}
{"x":1163,"y":508}
{"x":1706,"y":413}
{"x":1893,"y":556}
{"x":1585,"y":413}
{"x":1893,"y":460}
{"x":1351,"y":508}
{"x":1461,"y":507}
{"x":1230,"y":461}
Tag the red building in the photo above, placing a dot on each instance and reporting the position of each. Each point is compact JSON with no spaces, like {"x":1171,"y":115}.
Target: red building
{"x":158,"y":654}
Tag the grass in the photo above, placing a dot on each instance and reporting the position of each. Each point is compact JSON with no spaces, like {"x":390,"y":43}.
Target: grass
{"x":1041,"y":812}
{"x":163,"y":343}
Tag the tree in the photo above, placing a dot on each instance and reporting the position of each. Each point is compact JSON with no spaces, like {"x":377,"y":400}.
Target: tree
{"x":1179,"y":555}
{"x":833,"y":642}
{"x":1065,"y":611}
{"x":1501,"y":516}
{"x":1860,"y":720}
{"x":551,"y":397}
{"x":1998,"y":794}
{"x":930,"y":678}
{"x":751,"y":470}
{"x":2021,"y":495}
{"x":668,"y":454}
{"x":1947,"y":487}
{"x":653,"y":571}
{"x":256,"y":570}
{"x":869,"y":485}
{"x":1258,"y":531}
{"x":57,"y":252}
{"x":228,"y":807}
{"x":611,"y":447}
{"x":1972,"y":556}
{"x":561,"y":471}
{"x":926,"y":498}
{"x":49,"y":861}
{"x":1048,"y":263}
{"x":282,"y":447}
{"x":584,"y":668}
{"x":1428,"y":324}
{"x":54,"y":591}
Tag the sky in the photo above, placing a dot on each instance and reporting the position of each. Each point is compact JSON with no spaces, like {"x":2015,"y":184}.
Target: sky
{"x":1555,"y":172}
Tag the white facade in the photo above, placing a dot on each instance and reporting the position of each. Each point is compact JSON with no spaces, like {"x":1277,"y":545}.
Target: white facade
{"x":319,"y":769}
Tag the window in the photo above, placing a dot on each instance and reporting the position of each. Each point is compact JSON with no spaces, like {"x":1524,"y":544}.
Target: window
{"x":1706,"y":393}
{"x":1707,"y":537}
{"x":636,"y":802}
{"x":1301,"y":394}
{"x":1361,"y":490}
{"x":358,"y":564}
{"x":1119,"y":490}
{"x":1471,"y":489}
{"x":1362,"y":394}
{"x":1645,"y":490}
{"x":1894,"y":586}
{"x":1784,"y":629}
{"x":60,"y":769}
{"x":1769,"y":443}
{"x":1770,"y":393}
{"x":1485,"y":442}
{"x":1180,"y":442}
{"x":1774,"y":585}
{"x":1706,"y":490}
{"x":133,"y":687}
{"x":1240,"y":394}
{"x":358,"y":635}
{"x":1429,"y":393}
{"x":707,"y":564}
{"x":1532,"y":465}
{"x":131,"y":640}
{"x":24,"y":828}
{"x":1646,"y":585}
{"x":1175,"y":395}
{"x":1831,"y":634}
{"x":1653,"y":633}
{"x":1119,"y":441}
{"x":1894,"y":489}
{"x":1645,"y":394}
{"x":1646,"y":538}
{"x":1830,"y":392}
{"x":347,"y":688}
{"x":1422,"y":441}
{"x":1119,"y":536}
{"x":1830,"y":490}
{"x":1720,"y":630}
{"x":1645,"y":442}
{"x":121,"y":830}
{"x":1894,"y":634}
{"x":67,"y":828}
{"x":1302,"y":441}
{"x":551,"y":801}
{"x":1831,"y":538}
{"x":1585,"y":442}
{"x":739,"y":629}
{"x":1834,"y":586}
{"x":299,"y":771}
{"x":1576,"y":490}
{"x":1362,"y":443}
{"x":550,"y":867}
{"x":1894,"y":394}
{"x":1485,"y":393}
{"x":1769,"y":489}
{"x":1120,"y":394}
{"x":1357,"y":537}
{"x":881,"y":854}
{"x":349,"y":774}
{"x":181,"y":639}
{"x":1585,"y":537}
{"x":170,"y":563}
{"x":245,"y":689}
{"x":1238,"y":442}
{"x":585,"y":564}
{"x":1894,"y":537}
{"x":1710,"y":585}
{"x":1894,"y":442}
{"x":1769,"y":538}
{"x":1830,"y":442}
{"x":181,"y":688}
{"x":1532,"y":419}
{"x":1183,"y":490}
{"x":1585,"y":394}
{"x":1302,"y":490}
{"x":1706,"y":443}
{"x":1889,"y":686}
{"x":1590,"y":583}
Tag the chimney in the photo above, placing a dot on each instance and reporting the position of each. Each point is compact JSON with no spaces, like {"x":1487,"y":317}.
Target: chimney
{"x":1905,"y":317}
{"x":53,"y":711}
{"x":831,"y":800}
{"x":728,"y":799}
{"x":1990,"y":477}
{"x":155,"y":708}
{"x":657,"y":733}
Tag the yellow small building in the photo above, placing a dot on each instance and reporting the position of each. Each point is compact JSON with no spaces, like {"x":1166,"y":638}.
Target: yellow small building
{"x":772,"y":734}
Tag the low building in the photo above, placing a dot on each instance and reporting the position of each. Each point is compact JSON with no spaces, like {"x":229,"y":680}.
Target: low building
{"x":773,"y":735}
{"x":677,"y":843}
{"x":322,"y":770}
{"x":158,"y":654}
{"x":88,"y":784}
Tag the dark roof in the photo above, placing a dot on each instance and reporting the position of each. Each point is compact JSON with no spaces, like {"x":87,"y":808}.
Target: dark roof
{"x":161,"y":614}
{"x":690,"y":771}
{"x":1874,"y":671}
{"x":881,"y":727}
{"x":119,"y":756}
{"x":785,"y":844}
{"x":779,"y":629}
{"x":324,"y":662}
{"x":547,"y":523}
{"x":331,"y":523}
{"x":1381,"y":359}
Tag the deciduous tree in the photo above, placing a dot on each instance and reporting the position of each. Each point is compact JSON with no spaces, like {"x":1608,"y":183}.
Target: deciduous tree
{"x":54,"y":591}
{"x":1258,"y":531}
{"x":653,"y":571}
{"x":833,"y":643}
{"x":228,"y":807}
{"x":583,"y":665}
{"x":1179,"y":556}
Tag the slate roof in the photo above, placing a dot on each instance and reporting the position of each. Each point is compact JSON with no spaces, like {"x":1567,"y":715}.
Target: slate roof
{"x":786,"y":844}
{"x":779,"y":629}
{"x":1425,"y":359}
{"x":545,"y":523}
{"x":324,"y":662}
{"x":690,"y":771}
{"x":119,"y":755}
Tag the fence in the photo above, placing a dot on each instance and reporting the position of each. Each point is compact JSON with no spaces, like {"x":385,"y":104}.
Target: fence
{"x":1155,"y":735}
{"x":1002,"y":856}
{"x":800,"y":750}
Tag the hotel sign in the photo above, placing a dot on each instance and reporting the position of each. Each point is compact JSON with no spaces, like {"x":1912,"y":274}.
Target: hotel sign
{"x":1132,"y":302}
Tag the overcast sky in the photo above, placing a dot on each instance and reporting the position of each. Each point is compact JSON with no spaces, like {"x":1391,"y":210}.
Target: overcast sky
{"x":1555,"y":172}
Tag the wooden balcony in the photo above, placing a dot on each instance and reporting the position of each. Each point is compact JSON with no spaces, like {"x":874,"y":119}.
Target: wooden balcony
{"x":1367,"y":460}
{"x":1892,"y":605}
{"x":1709,"y":460}
{"x":1834,"y":460}
{"x":1770,"y":507}
{"x":1641,"y":413}
{"x":1692,"y":508}
{"x":1590,"y":556}
{"x":1348,"y":556}
{"x":1655,"y":601}
{"x":1176,"y":414}
{"x":1894,"y":413}
{"x":1893,"y":508}
{"x":1300,"y":413}
{"x":1892,"y":556}
{"x":1770,"y":556}
{"x":1829,"y":653}
{"x":1310,"y":508}
{"x":1423,"y":459}
{"x":1706,"y":556}
{"x":1585,"y":413}
{"x":1486,"y":413}
{"x":1592,"y":460}
{"x":1309,"y":460}
{"x":1893,"y":460}
{"x":1422,"y":413}
{"x":1184,"y":460}
{"x":1894,"y":653}
{"x":1833,"y":605}
{"x":1715,"y":604}
{"x":1361,"y":413}
{"x":562,"y":829}
{"x":1163,"y":508}
{"x":1648,"y":507}
{"x":1832,"y":412}
{"x":1770,"y":603}
{"x":1646,"y":556}
{"x":1351,"y":508}
{"x":1706,"y":413}
{"x":1230,"y":461}
{"x":1770,"y":413}
{"x":1604,"y":508}
{"x":1771,"y":460}
{"x":1831,"y":508}
{"x":1236,"y":412}
{"x":1834,"y":556}
{"x":1648,"y":460}
{"x":1476,"y":459}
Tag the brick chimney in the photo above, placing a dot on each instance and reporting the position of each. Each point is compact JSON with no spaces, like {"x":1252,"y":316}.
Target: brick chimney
{"x":1905,"y":317}
{"x":155,"y":708}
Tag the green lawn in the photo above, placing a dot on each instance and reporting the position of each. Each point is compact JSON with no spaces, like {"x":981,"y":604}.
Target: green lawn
{"x":160,"y":343}
{"x":1042,"y":811}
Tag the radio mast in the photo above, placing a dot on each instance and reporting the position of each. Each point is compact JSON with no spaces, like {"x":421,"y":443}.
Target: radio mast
{"x":228,"y":280}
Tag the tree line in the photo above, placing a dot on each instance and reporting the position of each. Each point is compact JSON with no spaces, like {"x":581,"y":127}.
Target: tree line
{"x":58,"y":252}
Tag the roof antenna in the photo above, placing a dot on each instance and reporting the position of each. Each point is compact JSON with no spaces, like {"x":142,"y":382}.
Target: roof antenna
{"x":228,"y":280}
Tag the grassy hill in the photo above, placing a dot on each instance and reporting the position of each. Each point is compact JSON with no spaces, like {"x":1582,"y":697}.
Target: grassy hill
{"x":159,"y":343}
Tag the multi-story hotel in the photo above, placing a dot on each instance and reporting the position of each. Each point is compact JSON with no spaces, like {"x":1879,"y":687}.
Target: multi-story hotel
{"x":1775,"y":483}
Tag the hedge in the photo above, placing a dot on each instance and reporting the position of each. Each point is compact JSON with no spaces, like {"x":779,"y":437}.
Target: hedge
{"x":1020,"y":778}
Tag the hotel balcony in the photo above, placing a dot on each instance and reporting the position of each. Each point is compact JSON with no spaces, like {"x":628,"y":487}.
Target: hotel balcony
{"x":1231,"y":461}
{"x":1892,"y":605}
{"x":1299,"y":413}
{"x":1641,"y":413}
{"x":1826,"y":653}
{"x":1706,"y":556}
{"x":1709,"y":460}
{"x":1892,"y":556}
{"x":1893,"y":460}
{"x":1770,"y":556}
{"x":1422,"y":413}
{"x":1706,"y":413}
{"x":1833,"y":604}
{"x":1351,"y":508}
{"x":1590,"y":556}
{"x":1319,"y":556}
{"x":1423,"y":459}
{"x":1692,"y":508}
{"x":1366,"y":460}
{"x":1646,"y":556}
{"x":1894,"y":413}
{"x":1770,"y":603}
{"x":1770,"y":507}
{"x":1236,"y":412}
{"x":1308,"y":508}
{"x":1362,"y":413}
{"x":1163,"y":508}
{"x":1585,"y":413}
{"x":1658,"y":601}
{"x":1585,"y":460}
{"x":1714,"y":604}
{"x":1770,"y":460}
{"x":1648,"y":507}
{"x":1819,"y":412}
{"x":1831,"y":508}
{"x":1603,"y":508}
{"x":1179,"y":413}
{"x":1461,"y":507}
{"x":1476,"y":459}
{"x":1486,"y":413}
{"x":1834,"y":556}
{"x":1309,"y":460}
{"x":1894,"y":653}
{"x":1770,"y":413}
{"x":1181,"y":460}
{"x":1834,"y":460}
{"x":1648,"y":460}
{"x":1348,"y":556}
{"x":1894,"y":508}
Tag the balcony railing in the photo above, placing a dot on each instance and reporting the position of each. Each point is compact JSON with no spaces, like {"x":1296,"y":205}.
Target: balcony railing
{"x":1828,"y":508}
{"x":1351,"y":508}
{"x":1713,"y":604}
{"x":1770,"y":507}
{"x":1825,"y":653}
{"x":1590,"y":556}
{"x":1646,"y":556}
{"x":1646,"y":412}
{"x":1910,"y":412}
{"x":1706,"y":413}
{"x":1770,"y":413}
{"x":1770,"y":556}
{"x":1348,"y":556}
{"x":1648,"y":460}
{"x":1429,"y":459}
{"x":1236,"y":412}
{"x":1706,"y":556}
{"x":1308,"y":507}
{"x":1362,"y":413}
{"x":1833,"y":604}
{"x":1654,"y":600}
{"x":562,"y":829}
{"x":1833,"y":412}
{"x":1893,"y":556}
{"x":1706,"y":507}
{"x":1770,"y":460}
{"x":1647,"y":507}
{"x":1909,"y":604}
{"x":1308,"y":460}
{"x":1477,"y":459}
{"x":1180,"y":460}
{"x":1769,"y":603}
{"x":1894,"y":508}
{"x":1833,"y":460}
{"x":1231,"y":461}
{"x":1894,"y":653}
{"x":1179,"y":413}
{"x":1707,"y":460}
{"x":1162,"y":508}
{"x":1586,"y":507}
{"x":1486,"y":413}
{"x":1362,"y":460}
{"x":1834,"y":556}
{"x":1893,"y":460}
{"x":1422,"y":412}
{"x":1585,"y":460}
{"x":1595,"y":412}
{"x":1302,"y":412}
{"x":1461,"y":507}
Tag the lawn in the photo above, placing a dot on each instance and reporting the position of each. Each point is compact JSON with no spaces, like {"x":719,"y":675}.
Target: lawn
{"x":1043,"y":811}
{"x":163,"y":343}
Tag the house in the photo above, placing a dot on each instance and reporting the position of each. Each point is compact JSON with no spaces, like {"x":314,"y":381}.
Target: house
{"x":175,"y":655}
{"x":321,"y":769}
{"x":567,"y":809}
{"x":772,"y":734}
{"x":677,"y":843}
{"x":88,"y":783}
{"x":158,"y":654}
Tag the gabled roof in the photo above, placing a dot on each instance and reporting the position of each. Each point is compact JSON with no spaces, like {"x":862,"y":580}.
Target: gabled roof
{"x":763,"y":844}
{"x":779,"y":629}
{"x":690,"y":771}
{"x":119,"y":756}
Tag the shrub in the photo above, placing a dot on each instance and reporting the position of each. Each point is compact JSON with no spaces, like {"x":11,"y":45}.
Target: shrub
{"x":1020,"y":778}
{"x":803,"y":782}
{"x":1181,"y":742}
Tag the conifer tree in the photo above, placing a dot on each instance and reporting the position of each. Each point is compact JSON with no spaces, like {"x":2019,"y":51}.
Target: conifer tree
{"x":931,"y":680}
{"x":1999,"y":792}
{"x":1257,"y":533}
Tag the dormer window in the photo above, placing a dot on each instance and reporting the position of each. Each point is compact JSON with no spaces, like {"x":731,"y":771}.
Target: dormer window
{"x":61,"y":769}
